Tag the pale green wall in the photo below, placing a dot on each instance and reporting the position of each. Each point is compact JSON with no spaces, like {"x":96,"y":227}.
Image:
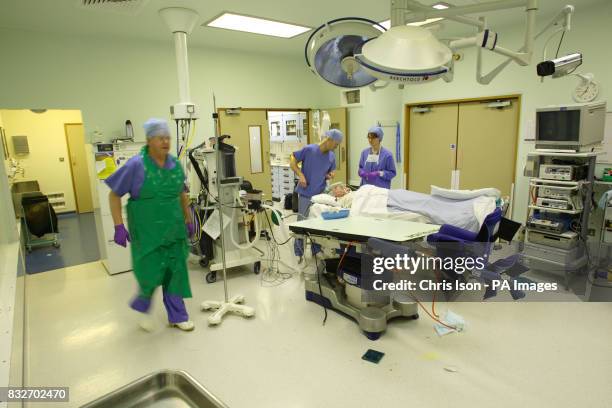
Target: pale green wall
{"x":384,"y":106}
{"x":8,"y":232}
{"x":111,"y":80}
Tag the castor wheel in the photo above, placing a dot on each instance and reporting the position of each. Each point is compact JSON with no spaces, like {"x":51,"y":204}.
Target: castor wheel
{"x":211,"y":277}
{"x":204,"y":261}
{"x":56,"y":244}
{"x":257,"y":268}
{"x":414,"y":316}
{"x":372,"y":335}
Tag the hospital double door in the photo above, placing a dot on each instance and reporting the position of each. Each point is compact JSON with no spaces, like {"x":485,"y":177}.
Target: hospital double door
{"x":464,"y":145}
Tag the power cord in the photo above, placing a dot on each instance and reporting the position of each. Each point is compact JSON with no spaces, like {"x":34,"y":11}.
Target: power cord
{"x":272,"y":231}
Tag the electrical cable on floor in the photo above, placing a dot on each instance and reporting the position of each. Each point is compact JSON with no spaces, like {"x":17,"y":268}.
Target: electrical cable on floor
{"x":272,"y":276}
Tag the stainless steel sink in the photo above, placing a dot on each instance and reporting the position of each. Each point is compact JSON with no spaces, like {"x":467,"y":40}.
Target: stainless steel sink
{"x":18,"y":189}
{"x":167,"y":389}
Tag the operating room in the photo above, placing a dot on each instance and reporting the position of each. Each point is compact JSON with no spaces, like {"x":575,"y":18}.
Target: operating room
{"x":458,"y":154}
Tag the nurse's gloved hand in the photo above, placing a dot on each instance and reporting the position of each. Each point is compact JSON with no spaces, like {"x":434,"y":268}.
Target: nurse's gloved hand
{"x":190,"y":229}
{"x":362,"y":173}
{"x":372,"y":175}
{"x":121,"y":235}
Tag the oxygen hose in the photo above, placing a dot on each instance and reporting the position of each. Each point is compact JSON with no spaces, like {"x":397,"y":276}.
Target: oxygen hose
{"x":251,"y":243}
{"x":257,"y":232}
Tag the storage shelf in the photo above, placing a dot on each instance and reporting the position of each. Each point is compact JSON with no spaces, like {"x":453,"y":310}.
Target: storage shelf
{"x":541,"y":181}
{"x":557,"y":234}
{"x":557,"y":210}
{"x":563,"y":154}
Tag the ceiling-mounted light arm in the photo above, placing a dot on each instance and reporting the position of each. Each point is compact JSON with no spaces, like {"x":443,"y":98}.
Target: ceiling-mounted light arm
{"x":563,"y":21}
{"x":564,"y":17}
{"x":485,"y":38}
{"x":398,"y":10}
{"x":373,"y":87}
{"x":461,"y":11}
{"x":416,"y":6}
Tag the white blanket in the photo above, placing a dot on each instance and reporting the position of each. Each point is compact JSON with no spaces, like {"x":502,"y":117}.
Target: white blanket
{"x":370,"y":200}
{"x":468,"y":214}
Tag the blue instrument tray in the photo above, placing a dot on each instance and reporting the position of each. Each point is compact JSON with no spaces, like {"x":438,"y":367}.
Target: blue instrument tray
{"x":332,"y":215}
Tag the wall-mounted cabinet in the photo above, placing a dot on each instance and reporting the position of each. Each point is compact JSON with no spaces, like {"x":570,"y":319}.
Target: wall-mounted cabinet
{"x":288,"y":126}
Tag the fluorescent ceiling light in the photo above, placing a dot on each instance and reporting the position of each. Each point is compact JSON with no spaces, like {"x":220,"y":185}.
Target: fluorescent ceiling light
{"x":387,"y":23}
{"x":256,"y":25}
{"x":441,"y":6}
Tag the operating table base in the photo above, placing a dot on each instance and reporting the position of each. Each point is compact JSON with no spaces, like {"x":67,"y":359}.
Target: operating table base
{"x":372,"y":320}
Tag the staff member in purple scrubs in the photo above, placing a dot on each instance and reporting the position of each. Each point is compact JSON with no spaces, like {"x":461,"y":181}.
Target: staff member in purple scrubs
{"x":159,"y":221}
{"x":376,"y":165}
{"x":318,"y":165}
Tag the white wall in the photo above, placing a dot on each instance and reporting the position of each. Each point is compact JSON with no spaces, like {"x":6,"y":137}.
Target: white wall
{"x":111,"y":79}
{"x":48,"y":161}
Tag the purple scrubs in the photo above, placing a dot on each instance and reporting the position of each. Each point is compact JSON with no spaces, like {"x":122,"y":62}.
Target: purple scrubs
{"x":128,"y":179}
{"x":385,"y":163}
{"x":315,"y":166}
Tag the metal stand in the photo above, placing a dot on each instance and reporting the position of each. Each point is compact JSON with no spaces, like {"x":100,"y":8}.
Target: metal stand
{"x":228,"y":305}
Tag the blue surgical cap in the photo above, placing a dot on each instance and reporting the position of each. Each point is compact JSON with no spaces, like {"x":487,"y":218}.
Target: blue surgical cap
{"x":377,"y":130}
{"x":335,"y":135}
{"x":156,"y":127}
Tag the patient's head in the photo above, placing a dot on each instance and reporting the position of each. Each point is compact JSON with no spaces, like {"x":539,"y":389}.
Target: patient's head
{"x":339,"y":190}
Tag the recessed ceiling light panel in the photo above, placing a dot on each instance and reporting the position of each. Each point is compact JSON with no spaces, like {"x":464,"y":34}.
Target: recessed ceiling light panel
{"x":256,"y":25}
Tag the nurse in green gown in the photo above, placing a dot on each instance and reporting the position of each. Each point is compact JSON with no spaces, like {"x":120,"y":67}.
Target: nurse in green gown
{"x":159,"y":224}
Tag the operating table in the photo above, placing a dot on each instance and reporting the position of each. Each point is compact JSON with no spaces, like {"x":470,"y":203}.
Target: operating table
{"x":332,"y":236}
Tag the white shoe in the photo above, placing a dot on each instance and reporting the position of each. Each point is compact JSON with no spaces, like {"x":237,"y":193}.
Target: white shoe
{"x":147,"y":323}
{"x":185,"y":326}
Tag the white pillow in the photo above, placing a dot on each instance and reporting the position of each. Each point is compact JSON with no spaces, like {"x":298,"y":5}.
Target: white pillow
{"x":464,"y":194}
{"x":325,"y":199}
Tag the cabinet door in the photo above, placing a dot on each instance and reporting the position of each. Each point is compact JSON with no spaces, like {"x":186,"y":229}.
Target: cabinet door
{"x":302,"y":127}
{"x":432,"y":147}
{"x":291,"y":125}
{"x":338,"y":117}
{"x":487,"y":138}
{"x":237,"y":126}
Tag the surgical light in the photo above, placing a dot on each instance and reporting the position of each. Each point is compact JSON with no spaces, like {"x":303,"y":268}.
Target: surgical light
{"x":407,"y":52}
{"x":257,"y":25}
{"x":330,"y":51}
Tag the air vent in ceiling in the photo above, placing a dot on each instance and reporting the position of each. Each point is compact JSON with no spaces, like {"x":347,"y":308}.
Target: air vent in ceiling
{"x":131,"y":7}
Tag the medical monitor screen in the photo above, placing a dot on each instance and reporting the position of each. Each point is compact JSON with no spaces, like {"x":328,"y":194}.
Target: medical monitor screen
{"x":558,"y":126}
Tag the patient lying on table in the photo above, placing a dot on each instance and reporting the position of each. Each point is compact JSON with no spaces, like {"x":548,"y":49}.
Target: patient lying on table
{"x":461,"y":208}
{"x":337,"y":197}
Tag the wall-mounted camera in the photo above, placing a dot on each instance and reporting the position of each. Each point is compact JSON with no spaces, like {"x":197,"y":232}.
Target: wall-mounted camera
{"x":559,"y":67}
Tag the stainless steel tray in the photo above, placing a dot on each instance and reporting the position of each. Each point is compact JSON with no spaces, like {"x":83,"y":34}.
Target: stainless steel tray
{"x":164,"y":389}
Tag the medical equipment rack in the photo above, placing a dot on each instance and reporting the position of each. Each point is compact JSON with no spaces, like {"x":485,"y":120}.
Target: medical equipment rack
{"x":575,"y":258}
